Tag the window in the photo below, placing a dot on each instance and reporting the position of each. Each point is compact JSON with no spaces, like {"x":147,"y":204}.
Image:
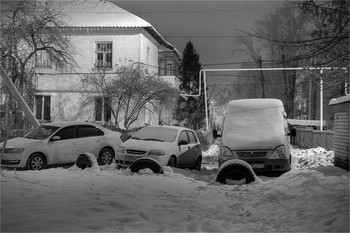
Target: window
{"x":69,"y":132}
{"x":183,"y":137}
{"x":162,"y":70}
{"x":42,"y":59}
{"x":89,"y":131}
{"x":103,"y":55}
{"x":43,"y":107}
{"x":170,"y":68}
{"x":192,"y":137}
{"x":147,"y":55}
{"x":103,"y":108}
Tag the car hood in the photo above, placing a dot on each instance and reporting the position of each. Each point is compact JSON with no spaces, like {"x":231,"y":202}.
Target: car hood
{"x":20,"y":142}
{"x":145,"y":145}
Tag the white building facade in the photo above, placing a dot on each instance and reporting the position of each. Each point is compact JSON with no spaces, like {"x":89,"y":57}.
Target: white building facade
{"x":104,"y":35}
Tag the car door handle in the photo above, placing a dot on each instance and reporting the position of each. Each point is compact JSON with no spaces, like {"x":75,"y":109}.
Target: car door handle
{"x":74,"y":143}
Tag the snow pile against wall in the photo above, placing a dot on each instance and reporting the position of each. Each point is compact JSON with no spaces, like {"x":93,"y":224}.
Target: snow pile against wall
{"x":313,"y":157}
{"x":301,"y":158}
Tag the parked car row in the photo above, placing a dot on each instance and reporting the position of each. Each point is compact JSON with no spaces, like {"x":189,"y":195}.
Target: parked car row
{"x":254,"y":131}
{"x":62,"y":143}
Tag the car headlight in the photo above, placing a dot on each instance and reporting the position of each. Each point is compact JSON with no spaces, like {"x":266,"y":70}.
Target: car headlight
{"x":121,"y":149}
{"x":226,"y":152}
{"x":14,"y":150}
{"x":278,"y":153}
{"x":156,"y":153}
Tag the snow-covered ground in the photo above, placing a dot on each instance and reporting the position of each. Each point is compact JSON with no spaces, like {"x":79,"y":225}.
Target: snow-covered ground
{"x":312,"y":197}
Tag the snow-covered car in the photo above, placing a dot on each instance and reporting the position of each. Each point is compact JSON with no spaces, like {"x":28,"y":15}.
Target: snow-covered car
{"x":60,"y":143}
{"x":169,"y":145}
{"x":256,"y":131}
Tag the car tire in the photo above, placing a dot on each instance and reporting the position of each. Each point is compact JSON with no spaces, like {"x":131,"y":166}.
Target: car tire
{"x":198,"y":164}
{"x":172,"y":162}
{"x":144,"y":163}
{"x":106,"y":156}
{"x":84,"y":161}
{"x":236,"y":172}
{"x":36,"y":162}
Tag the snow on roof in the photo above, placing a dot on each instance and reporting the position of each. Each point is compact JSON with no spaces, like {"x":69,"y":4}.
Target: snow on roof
{"x":339,"y":100}
{"x":100,"y":13}
{"x":96,"y":13}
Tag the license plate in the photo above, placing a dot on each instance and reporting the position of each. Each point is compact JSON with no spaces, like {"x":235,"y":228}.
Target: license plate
{"x":131,"y":158}
{"x":257,"y":165}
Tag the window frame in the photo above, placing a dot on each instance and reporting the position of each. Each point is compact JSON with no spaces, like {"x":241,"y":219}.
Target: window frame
{"x":103,"y":55}
{"x":43,"y":107}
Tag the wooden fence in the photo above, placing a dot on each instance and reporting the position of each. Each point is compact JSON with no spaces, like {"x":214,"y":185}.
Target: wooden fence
{"x":308,"y":138}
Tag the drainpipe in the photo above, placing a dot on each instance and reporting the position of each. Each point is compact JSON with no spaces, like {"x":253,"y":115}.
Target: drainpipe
{"x":24,"y":106}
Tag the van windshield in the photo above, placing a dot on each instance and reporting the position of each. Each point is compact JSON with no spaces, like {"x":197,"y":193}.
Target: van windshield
{"x":248,"y":127}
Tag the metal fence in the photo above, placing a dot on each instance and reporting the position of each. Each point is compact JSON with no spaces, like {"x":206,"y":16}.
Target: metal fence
{"x":309,"y":138}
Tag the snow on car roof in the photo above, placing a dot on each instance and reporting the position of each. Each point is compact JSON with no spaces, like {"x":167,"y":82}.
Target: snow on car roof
{"x":244,"y":104}
{"x":68,"y":123}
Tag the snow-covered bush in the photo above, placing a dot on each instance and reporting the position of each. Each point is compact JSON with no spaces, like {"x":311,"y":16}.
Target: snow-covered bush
{"x":212,"y":152}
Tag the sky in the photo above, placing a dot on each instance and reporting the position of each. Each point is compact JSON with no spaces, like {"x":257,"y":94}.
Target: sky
{"x":312,"y":197}
{"x":209,"y":25}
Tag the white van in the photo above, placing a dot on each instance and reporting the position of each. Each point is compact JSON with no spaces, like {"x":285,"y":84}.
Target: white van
{"x":256,"y":131}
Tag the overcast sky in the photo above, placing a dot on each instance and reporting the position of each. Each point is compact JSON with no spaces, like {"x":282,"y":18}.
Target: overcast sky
{"x":210,"y":25}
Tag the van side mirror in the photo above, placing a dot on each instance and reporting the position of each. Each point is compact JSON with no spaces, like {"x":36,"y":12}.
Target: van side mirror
{"x":292,"y":132}
{"x":216,"y":134}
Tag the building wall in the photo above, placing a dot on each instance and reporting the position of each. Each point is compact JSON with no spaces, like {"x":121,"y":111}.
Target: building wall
{"x":69,"y":98}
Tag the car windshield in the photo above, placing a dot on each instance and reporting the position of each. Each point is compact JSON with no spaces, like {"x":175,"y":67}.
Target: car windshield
{"x":156,"y":134}
{"x":42,"y":132}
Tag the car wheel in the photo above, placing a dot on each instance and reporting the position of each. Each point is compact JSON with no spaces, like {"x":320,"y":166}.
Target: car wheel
{"x":144,"y":163}
{"x":198,"y":164}
{"x":235,"y":174}
{"x":36,"y":162}
{"x":84,"y":161}
{"x":106,"y":156}
{"x":172,"y":162}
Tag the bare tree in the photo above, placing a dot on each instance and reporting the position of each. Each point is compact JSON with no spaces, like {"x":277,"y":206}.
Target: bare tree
{"x":273,"y":33}
{"x":254,"y":52}
{"x":29,"y":29}
{"x":130,"y":89}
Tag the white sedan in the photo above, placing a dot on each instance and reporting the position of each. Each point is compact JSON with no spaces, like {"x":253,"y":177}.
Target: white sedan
{"x":60,"y":143}
{"x":169,"y":145}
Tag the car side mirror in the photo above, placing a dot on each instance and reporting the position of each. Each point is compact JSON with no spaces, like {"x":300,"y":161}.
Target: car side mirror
{"x":55,"y":138}
{"x":182,"y":142}
{"x":292,"y":132}
{"x":216,"y":134}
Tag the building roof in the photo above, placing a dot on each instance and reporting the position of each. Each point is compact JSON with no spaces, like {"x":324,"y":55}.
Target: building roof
{"x":97,"y":13}
{"x":101,"y":13}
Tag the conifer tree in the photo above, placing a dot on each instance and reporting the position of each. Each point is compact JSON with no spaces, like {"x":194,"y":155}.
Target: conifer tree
{"x":190,"y":111}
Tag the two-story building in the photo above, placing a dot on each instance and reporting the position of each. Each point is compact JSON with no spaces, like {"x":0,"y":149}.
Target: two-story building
{"x":104,"y":35}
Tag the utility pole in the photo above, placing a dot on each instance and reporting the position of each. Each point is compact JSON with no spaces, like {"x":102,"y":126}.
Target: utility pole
{"x":24,"y":106}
